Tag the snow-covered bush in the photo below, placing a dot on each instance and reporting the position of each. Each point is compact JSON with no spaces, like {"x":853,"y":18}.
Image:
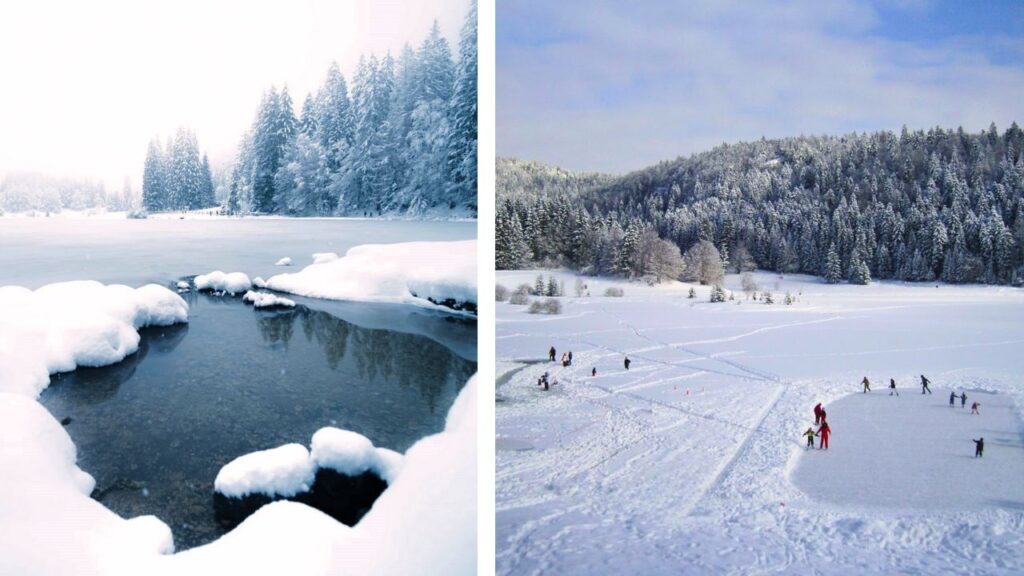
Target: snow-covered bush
{"x":500,"y":293}
{"x":519,"y":298}
{"x":547,"y":306}
{"x":692,"y":293}
{"x":717,"y":294}
{"x":614,"y":292}
{"x":768,"y":298}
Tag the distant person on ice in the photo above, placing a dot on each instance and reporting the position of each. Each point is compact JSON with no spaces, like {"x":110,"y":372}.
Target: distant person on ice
{"x":892,"y":387}
{"x":963,"y":399}
{"x":593,"y":371}
{"x":952,"y":399}
{"x":818,"y":411}
{"x":867,"y":385}
{"x":570,"y":357}
{"x":810,"y":437}
{"x":974,"y":408}
{"x":823,"y":432}
{"x":924,"y":385}
{"x":551,"y":354}
{"x":979,"y":446}
{"x":626,"y":363}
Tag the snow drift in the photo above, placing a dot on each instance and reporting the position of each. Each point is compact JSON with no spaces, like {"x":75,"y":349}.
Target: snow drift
{"x":422,"y":273}
{"x":232,"y":283}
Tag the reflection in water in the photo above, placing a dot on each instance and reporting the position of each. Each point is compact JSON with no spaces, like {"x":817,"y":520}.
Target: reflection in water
{"x":155,"y":429}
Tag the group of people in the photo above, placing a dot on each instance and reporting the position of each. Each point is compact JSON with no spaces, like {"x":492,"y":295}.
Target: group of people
{"x":821,"y":421}
{"x":824,"y":430}
{"x":566,"y":358}
{"x":925,"y":383}
{"x":546,"y":383}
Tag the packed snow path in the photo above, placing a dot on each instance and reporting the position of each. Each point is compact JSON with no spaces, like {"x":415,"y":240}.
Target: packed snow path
{"x":690,"y":461}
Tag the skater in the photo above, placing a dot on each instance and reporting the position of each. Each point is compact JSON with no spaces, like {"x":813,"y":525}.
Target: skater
{"x":924,"y":385}
{"x":867,"y":385}
{"x":818,"y":411}
{"x":593,"y":372}
{"x":570,"y":357}
{"x":952,"y":398}
{"x":974,"y":408}
{"x":565,"y":360}
{"x":979,"y":446}
{"x":551,"y":354}
{"x":963,"y":399}
{"x":823,"y":432}
{"x":810,"y":437}
{"x":626,"y":362}
{"x":892,"y":387}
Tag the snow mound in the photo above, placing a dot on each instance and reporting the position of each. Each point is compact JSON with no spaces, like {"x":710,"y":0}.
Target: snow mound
{"x":352,"y":454}
{"x":324,"y":257}
{"x":259,"y":282}
{"x":286,"y":261}
{"x":267,"y":300}
{"x":182,"y":285}
{"x":283,"y":471}
{"x":232,"y":283}
{"x":422,"y":273}
{"x":60,"y":327}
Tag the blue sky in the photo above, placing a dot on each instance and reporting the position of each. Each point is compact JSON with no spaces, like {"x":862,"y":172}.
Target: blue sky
{"x":615,"y":86}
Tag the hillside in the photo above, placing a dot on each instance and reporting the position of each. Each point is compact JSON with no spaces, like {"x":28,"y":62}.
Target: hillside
{"x":920,"y":206}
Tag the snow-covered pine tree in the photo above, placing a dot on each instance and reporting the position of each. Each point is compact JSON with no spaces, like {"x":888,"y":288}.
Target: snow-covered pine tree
{"x":154,"y":179}
{"x":462,"y":140}
{"x":717,"y":294}
{"x":833,"y":272}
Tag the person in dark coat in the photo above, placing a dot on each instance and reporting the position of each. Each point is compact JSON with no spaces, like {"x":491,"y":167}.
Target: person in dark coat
{"x":979,"y":446}
{"x":570,"y":357}
{"x":924,"y":385}
{"x":551,"y":354}
{"x":952,"y":398}
{"x":867,"y":385}
{"x":963,"y":399}
{"x":593,"y":371}
{"x":626,"y":363}
{"x":892,"y":387}
{"x":824,"y":432}
{"x":817,"y":414}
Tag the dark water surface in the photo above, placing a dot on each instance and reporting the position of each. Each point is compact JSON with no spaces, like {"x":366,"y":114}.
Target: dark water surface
{"x":155,"y":429}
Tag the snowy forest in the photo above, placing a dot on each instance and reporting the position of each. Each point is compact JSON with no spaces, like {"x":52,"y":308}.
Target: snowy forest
{"x":918,"y":206}
{"x":403,"y":140}
{"x":32,"y":191}
{"x":174,"y":177}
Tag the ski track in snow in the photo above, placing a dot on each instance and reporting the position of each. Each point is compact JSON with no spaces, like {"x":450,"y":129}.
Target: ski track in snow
{"x":626,"y":474}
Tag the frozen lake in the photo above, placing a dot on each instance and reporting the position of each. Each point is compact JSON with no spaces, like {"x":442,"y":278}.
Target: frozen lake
{"x":691,"y":460}
{"x":154,"y":429}
{"x":38,"y":251}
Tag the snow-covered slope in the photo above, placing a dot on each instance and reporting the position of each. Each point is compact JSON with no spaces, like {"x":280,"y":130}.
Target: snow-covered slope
{"x":691,"y":461}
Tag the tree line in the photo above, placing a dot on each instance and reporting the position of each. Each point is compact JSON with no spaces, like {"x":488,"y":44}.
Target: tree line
{"x":401,"y":140}
{"x":918,"y":206}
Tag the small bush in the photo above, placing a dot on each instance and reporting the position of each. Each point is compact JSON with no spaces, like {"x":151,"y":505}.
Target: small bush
{"x":500,"y":293}
{"x":768,"y":298}
{"x":692,"y":294}
{"x":547,"y":306}
{"x":717,"y":294}
{"x":524,"y":289}
{"x":614,"y":293}
{"x":519,"y":299}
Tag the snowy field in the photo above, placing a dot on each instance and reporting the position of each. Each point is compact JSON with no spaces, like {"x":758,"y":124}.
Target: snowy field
{"x":692,"y":461}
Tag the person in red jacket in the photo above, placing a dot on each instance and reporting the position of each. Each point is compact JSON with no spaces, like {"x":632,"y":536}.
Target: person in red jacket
{"x":823,"y":432}
{"x":817,"y":414}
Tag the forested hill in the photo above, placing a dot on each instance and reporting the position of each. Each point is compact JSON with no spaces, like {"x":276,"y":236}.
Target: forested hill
{"x":526,"y":179}
{"x":918,"y":205}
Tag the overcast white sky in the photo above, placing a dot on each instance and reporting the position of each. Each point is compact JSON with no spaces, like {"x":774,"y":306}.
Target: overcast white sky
{"x":85,"y":85}
{"x":614,"y":86}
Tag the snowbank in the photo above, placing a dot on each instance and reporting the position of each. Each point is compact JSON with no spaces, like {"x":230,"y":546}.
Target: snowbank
{"x":423,"y":273}
{"x":267,"y":300}
{"x":324,"y":257}
{"x":232,"y":283}
{"x":286,"y":261}
{"x":282,"y":471}
{"x":45,"y":509}
{"x":62,"y":326}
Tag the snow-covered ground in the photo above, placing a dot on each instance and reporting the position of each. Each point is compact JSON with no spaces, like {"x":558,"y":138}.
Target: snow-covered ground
{"x":692,"y":460}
